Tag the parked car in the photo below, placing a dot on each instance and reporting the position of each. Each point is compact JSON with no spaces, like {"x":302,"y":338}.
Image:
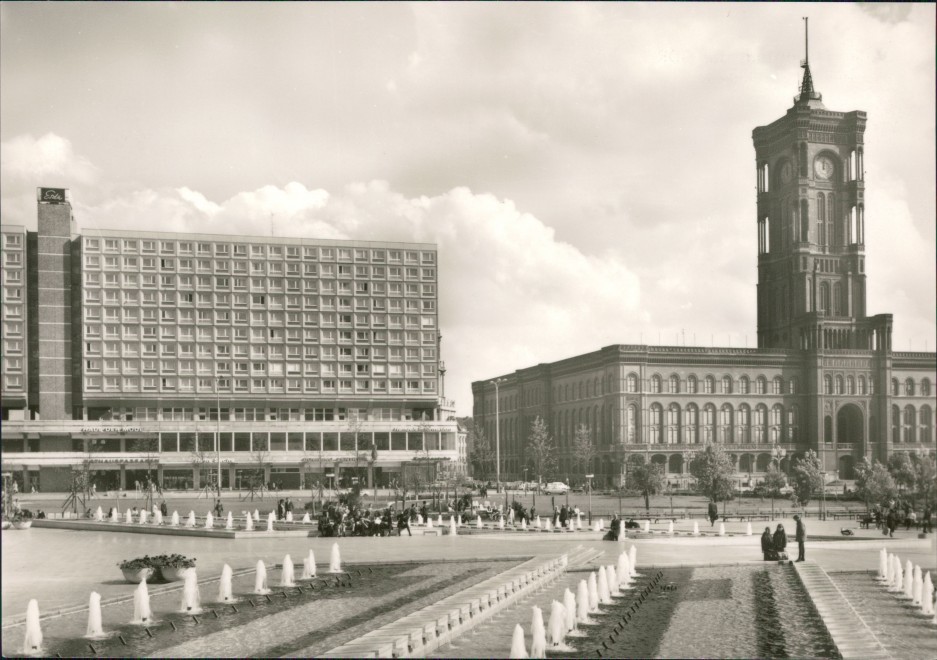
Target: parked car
{"x":556,"y":488}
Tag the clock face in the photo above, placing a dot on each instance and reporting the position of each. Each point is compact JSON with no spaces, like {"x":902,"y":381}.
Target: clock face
{"x":823,"y":166}
{"x":787,"y":172}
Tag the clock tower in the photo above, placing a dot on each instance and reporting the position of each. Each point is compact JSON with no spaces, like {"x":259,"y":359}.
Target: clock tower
{"x":811,"y":227}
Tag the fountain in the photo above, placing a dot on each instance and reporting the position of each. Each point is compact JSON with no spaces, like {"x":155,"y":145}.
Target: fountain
{"x":518,"y":648}
{"x":908,"y":590}
{"x":538,"y":524}
{"x":256,"y":515}
{"x":429,"y":522}
{"x":286,"y":575}
{"x":191,"y":602}
{"x":897,"y":580}
{"x":624,"y":571}
{"x":593,"y":593}
{"x":95,"y":628}
{"x":209,"y":520}
{"x":249,"y":522}
{"x":159,"y":517}
{"x":569,"y":608}
{"x":695,"y":528}
{"x":270,"y":519}
{"x":524,"y":524}
{"x":452,"y":526}
{"x":557,"y":626}
{"x":601,"y":524}
{"x":175,"y":519}
{"x":32,"y":645}
{"x":114,"y":516}
{"x":439,"y":520}
{"x":260,"y":581}
{"x":917,"y":586}
{"x":501,"y":523}
{"x":670,"y":527}
{"x":128,"y":518}
{"x":335,"y":562}
{"x":582,"y":604}
{"x":224,"y":586}
{"x":478,"y":522}
{"x":547,"y":525}
{"x":460,"y":520}
{"x":309,"y":566}
{"x":748,"y":529}
{"x":289,"y":516}
{"x":142,"y":516}
{"x":605,"y":597}
{"x":927,"y":595}
{"x":419,"y":519}
{"x":99,"y":515}
{"x":889,"y":569}
{"x":190,"y":521}
{"x":633,"y":558}
{"x":141,"y":604}
{"x":612,"y":576}
{"x":306,"y":519}
{"x":722,"y":529}
{"x":229,"y":523}
{"x":882,"y":565}
{"x":595,"y":526}
{"x":647,"y":526}
{"x":579,"y":523}
{"x":538,"y":635}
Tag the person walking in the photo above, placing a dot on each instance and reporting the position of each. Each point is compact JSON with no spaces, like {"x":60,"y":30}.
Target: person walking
{"x":800,"y":535}
{"x":767,"y":545}
{"x":219,"y":509}
{"x":403,"y":522}
{"x":911,"y":520}
{"x":926,"y":520}
{"x":163,"y":509}
{"x":780,"y":540}
{"x":280,"y":512}
{"x":288,"y":507}
{"x":713,"y":513}
{"x":891,"y":522}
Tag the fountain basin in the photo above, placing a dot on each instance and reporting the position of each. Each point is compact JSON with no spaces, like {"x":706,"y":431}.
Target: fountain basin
{"x":134,"y":575}
{"x":22,"y":524}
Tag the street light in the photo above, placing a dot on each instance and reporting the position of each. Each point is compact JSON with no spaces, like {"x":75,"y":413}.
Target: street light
{"x":498,"y":381}
{"x":823,"y":496}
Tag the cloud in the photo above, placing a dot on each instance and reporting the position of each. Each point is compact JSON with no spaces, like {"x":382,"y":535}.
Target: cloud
{"x":50,"y":160}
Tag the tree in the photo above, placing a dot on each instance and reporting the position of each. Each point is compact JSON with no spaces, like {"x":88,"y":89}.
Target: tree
{"x":806,"y":478}
{"x":541,"y":455}
{"x":483,"y":454}
{"x":773,"y":482}
{"x":901,"y":469}
{"x":926,"y":477}
{"x":713,"y":469}
{"x":645,"y":478}
{"x":583,"y":449}
{"x":874,"y":484}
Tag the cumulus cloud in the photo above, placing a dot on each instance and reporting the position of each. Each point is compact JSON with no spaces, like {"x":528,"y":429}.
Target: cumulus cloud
{"x":50,"y":158}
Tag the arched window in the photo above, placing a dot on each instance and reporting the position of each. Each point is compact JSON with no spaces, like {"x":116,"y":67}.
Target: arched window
{"x":709,"y":423}
{"x":825,"y":297}
{"x":777,"y":414}
{"x":776,"y":385}
{"x":654,"y":424}
{"x":631,"y":384}
{"x":895,"y":424}
{"x":861,"y":385}
{"x":691,"y":424}
{"x":743,"y":424}
{"x":725,"y":424}
{"x":655,"y":384}
{"x":691,"y":385}
{"x":758,"y":424}
{"x":743,"y":385}
{"x":909,"y":387}
{"x":909,"y":424}
{"x":726,"y":385}
{"x":821,"y":219}
{"x":709,"y":385}
{"x":804,"y":222}
{"x":926,"y":418}
{"x":850,"y":385}
{"x":839,"y":384}
{"x":793,"y":422}
{"x":827,"y":384}
{"x":761,"y":385}
{"x":673,"y":384}
{"x":925,"y":387}
{"x":871,"y":384}
{"x":632,"y":424}
{"x":830,"y":217}
{"x":837,"y":299}
{"x":894,"y":387}
{"x":673,"y":424}
{"x":793,"y":386}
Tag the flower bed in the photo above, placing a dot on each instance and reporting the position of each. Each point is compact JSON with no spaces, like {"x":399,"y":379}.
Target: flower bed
{"x":163,"y":567}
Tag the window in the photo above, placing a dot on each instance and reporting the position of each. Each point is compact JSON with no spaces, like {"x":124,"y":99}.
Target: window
{"x":709,"y":385}
{"x":655,"y":384}
{"x":673,"y":385}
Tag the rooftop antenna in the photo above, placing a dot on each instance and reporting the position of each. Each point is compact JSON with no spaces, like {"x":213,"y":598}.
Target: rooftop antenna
{"x":806,"y":86}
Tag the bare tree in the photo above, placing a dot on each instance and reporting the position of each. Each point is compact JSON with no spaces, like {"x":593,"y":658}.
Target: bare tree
{"x":483,"y":454}
{"x":541,"y":454}
{"x":584,"y":451}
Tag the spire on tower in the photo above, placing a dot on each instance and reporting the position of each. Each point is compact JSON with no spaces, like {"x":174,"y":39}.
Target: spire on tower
{"x":807,"y":92}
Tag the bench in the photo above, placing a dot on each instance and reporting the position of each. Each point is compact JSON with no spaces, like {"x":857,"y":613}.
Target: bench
{"x":865,"y":521}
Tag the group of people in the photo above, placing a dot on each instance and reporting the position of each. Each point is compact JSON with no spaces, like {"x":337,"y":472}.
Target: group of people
{"x":342,"y":520}
{"x":774,"y":546}
{"x":889,"y":518}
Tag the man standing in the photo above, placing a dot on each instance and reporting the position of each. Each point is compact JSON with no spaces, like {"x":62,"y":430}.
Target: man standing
{"x":801,"y":537}
{"x":713,"y":513}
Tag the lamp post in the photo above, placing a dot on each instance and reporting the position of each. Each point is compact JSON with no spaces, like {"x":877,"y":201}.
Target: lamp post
{"x":823,"y":496}
{"x":497,"y":382}
{"x":777,"y":453}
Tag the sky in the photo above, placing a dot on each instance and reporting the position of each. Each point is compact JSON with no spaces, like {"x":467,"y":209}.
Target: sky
{"x":586,"y":170}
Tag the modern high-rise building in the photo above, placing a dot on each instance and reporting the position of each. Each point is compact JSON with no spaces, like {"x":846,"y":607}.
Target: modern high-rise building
{"x":824,"y":377}
{"x":196,"y":355}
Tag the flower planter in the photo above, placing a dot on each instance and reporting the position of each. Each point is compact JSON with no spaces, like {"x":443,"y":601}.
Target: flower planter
{"x":173,"y":574}
{"x":136,"y":574}
{"x":22,"y":524}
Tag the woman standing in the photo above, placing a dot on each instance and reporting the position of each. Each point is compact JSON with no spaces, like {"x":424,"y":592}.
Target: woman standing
{"x":767,"y":545}
{"x":780,"y":539}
